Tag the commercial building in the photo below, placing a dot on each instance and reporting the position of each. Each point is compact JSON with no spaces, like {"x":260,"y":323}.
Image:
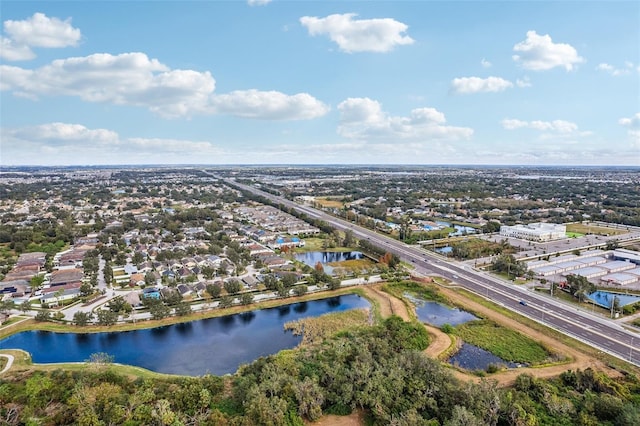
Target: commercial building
{"x":535,"y":231}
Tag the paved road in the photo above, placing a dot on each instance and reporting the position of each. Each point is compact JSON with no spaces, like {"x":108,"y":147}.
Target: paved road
{"x":607,"y":336}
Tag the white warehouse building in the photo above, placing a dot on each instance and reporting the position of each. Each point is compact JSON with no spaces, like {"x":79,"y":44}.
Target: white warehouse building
{"x":535,"y":231}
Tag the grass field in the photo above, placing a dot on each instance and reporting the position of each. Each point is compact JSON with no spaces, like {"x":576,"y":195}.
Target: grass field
{"x":574,"y":234}
{"x":581,"y":228}
{"x":503,"y":342}
{"x":355,"y":265}
{"x":327,"y":202}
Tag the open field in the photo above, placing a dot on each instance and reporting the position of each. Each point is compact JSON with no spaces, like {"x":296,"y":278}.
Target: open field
{"x":592,"y":229}
{"x":329,"y":203}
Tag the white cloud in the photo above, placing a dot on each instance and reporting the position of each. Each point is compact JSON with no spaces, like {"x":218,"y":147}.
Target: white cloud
{"x":627,"y":69}
{"x":65,"y":143}
{"x":37,"y":31}
{"x":11,"y":51}
{"x":485,"y":63}
{"x":468,"y":85}
{"x":42,"y":31}
{"x":539,"y":53}
{"x":258,"y":2}
{"x":269,"y":105}
{"x":523,"y":82}
{"x":134,"y":79}
{"x":363,"y":118}
{"x":64,"y":132}
{"x":561,"y":127}
{"x":359,"y":35}
{"x":632,"y":122}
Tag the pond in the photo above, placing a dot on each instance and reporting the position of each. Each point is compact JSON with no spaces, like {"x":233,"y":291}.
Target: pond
{"x":210,"y":346}
{"x":312,"y":257}
{"x":437,"y":314}
{"x":605,"y":298}
{"x":471,"y":357}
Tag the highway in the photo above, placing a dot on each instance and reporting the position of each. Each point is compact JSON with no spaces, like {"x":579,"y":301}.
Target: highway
{"x":600,"y":333}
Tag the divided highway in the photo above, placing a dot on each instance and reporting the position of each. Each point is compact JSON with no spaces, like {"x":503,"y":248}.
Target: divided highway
{"x":598,"y":332}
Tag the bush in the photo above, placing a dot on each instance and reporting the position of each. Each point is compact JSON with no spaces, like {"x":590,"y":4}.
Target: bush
{"x":447,"y":328}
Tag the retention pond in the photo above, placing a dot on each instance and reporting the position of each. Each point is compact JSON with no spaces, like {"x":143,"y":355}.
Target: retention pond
{"x":210,"y":346}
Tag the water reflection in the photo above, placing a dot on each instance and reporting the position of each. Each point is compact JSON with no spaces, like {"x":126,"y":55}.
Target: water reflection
{"x":313,"y":257}
{"x":184,"y":329}
{"x":284,"y":310}
{"x":247,"y":317}
{"x":437,"y":314}
{"x":301,"y":307}
{"x":471,"y":357}
{"x":332,"y":302}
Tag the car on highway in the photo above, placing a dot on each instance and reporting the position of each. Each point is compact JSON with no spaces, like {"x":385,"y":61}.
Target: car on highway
{"x":523,"y":303}
{"x":455,"y":276}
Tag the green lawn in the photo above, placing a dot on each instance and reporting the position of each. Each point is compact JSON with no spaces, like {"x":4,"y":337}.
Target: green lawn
{"x":506,"y":343}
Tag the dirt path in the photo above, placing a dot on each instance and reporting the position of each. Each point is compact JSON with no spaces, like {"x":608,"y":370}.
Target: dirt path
{"x":440,"y":342}
{"x":389,"y":305}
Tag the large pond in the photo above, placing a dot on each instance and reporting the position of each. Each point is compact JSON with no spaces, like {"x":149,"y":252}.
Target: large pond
{"x":437,"y":314}
{"x":210,"y":346}
{"x":471,"y":357}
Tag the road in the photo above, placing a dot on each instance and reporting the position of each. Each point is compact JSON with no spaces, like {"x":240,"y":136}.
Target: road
{"x":602,"y":334}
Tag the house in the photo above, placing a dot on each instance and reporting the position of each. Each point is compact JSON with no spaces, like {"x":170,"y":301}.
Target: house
{"x":151,"y":292}
{"x":133,"y":298}
{"x":250,"y":281}
{"x":16,"y":288}
{"x":167,"y":292}
{"x":184,"y":290}
{"x":66,"y":276}
{"x":54,"y":298}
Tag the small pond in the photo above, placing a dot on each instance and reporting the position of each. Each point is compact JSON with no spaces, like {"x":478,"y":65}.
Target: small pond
{"x":311,"y":258}
{"x":605,"y":298}
{"x":215,"y":345}
{"x":471,"y":357}
{"x":437,"y":314}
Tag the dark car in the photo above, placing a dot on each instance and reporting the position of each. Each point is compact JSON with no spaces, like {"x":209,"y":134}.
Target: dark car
{"x":523,"y":303}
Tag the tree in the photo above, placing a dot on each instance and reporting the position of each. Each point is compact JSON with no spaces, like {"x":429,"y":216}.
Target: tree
{"x":6,"y":306}
{"x":182,"y":308}
{"x":282,"y":291}
{"x":107,"y":271}
{"x":246,"y":299}
{"x":232,"y":286}
{"x":208,"y":272}
{"x":81,"y":318}
{"x":25,"y":306}
{"x":349,"y":240}
{"x":138,"y":258}
{"x":106,"y":317}
{"x":300,"y":290}
{"x":43,"y":315}
{"x":270,"y":282}
{"x":225,"y":301}
{"x":214,"y":290}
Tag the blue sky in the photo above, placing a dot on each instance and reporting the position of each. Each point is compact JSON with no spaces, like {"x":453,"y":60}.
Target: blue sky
{"x":308,"y":82}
